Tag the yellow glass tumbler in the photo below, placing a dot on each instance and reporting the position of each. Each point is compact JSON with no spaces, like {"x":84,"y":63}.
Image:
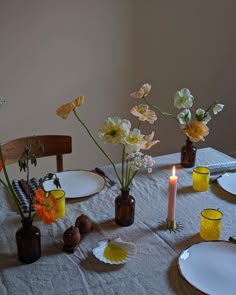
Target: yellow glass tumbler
{"x":201,"y":178}
{"x":210,"y":224}
{"x":60,"y":197}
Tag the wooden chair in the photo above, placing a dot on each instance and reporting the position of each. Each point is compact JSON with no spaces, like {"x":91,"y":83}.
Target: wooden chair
{"x":54,"y":145}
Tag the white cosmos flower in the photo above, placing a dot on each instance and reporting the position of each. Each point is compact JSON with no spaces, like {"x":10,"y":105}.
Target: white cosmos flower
{"x":202,"y":115}
{"x":114,"y":130}
{"x":133,"y":141}
{"x":183,"y":99}
{"x":184,"y":117}
{"x":217,"y":108}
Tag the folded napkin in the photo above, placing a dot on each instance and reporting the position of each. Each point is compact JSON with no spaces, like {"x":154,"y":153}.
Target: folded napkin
{"x":20,"y":192}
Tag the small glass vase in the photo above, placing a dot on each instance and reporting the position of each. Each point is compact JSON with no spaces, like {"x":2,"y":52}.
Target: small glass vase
{"x":28,"y":241}
{"x":124,"y":208}
{"x":188,"y":154}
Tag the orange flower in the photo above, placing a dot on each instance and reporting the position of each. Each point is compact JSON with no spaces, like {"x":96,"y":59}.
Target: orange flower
{"x":64,"y":110}
{"x":196,"y":131}
{"x":45,"y":206}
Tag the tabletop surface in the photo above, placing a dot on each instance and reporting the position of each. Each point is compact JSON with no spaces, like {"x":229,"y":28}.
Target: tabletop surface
{"x":154,"y":269}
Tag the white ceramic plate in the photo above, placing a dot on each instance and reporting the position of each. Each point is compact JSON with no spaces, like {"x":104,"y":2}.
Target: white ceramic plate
{"x":78,"y":183}
{"x":228,"y":182}
{"x":210,"y":267}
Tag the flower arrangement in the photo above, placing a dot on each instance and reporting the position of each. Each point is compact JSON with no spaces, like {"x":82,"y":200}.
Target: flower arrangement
{"x":195,"y":129}
{"x":118,"y":131}
{"x":44,"y":204}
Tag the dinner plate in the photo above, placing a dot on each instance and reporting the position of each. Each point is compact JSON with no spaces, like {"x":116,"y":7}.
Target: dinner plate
{"x":228,"y":182}
{"x":210,"y":267}
{"x":78,"y":183}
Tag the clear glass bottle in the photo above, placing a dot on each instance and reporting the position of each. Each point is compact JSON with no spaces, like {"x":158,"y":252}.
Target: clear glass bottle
{"x":28,"y":240}
{"x":124,"y":208}
{"x":188,"y":154}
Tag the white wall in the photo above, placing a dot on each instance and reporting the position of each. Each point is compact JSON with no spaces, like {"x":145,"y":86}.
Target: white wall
{"x":52,"y":51}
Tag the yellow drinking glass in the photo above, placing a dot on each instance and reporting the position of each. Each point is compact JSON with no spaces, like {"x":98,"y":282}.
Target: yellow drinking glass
{"x":210,"y":224}
{"x":60,"y":197}
{"x":201,"y":178}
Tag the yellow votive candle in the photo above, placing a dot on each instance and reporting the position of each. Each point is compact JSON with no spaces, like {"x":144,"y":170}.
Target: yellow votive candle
{"x":201,"y":178}
{"x":60,"y":197}
{"x":210,"y":224}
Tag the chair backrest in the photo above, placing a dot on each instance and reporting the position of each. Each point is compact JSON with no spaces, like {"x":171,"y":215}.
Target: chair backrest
{"x":54,"y":145}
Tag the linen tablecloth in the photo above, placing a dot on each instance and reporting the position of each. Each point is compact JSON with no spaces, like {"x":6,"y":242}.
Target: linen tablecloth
{"x":154,"y":269}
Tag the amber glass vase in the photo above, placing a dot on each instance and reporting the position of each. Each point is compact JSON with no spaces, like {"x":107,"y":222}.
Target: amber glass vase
{"x":28,"y":241}
{"x":124,"y":208}
{"x":188,"y":154}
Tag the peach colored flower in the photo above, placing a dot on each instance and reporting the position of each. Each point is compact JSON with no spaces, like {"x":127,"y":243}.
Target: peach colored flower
{"x":149,"y":142}
{"x":45,"y":206}
{"x":143,"y":91}
{"x":143,"y":113}
{"x":196,"y":131}
{"x":64,"y":110}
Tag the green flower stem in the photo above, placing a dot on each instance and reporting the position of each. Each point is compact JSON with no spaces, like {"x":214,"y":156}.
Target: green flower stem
{"x":127,"y":172}
{"x":28,"y":188}
{"x":101,"y":149}
{"x":123,"y":177}
{"x":159,"y":111}
{"x":212,"y":105}
{"x":131,"y":179}
{"x":8,"y":186}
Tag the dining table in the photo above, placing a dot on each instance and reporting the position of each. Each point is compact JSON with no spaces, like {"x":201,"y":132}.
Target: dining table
{"x":153,"y":270}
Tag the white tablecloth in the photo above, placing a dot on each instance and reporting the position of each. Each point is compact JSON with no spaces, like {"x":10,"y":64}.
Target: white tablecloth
{"x":154,"y":270}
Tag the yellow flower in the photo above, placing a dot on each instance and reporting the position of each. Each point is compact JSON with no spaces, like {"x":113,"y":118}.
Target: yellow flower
{"x":196,"y":131}
{"x":64,"y":110}
{"x":143,"y":113}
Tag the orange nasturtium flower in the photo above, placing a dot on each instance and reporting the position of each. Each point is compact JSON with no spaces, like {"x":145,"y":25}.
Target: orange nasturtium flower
{"x":196,"y":131}
{"x":64,"y":110}
{"x":45,"y":206}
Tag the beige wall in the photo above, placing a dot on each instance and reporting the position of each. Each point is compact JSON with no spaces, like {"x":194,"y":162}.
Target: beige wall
{"x":189,"y":44}
{"x":52,"y":51}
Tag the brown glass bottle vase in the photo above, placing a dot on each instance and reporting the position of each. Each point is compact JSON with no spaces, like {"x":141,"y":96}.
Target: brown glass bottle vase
{"x":124,"y":208}
{"x":28,"y":241}
{"x":188,"y":154}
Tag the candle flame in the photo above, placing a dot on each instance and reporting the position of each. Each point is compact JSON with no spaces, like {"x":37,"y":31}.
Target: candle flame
{"x":173,"y":171}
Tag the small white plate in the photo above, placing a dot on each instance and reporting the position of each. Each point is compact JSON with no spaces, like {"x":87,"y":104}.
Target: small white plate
{"x":210,"y":267}
{"x":78,"y":183}
{"x":228,"y":182}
